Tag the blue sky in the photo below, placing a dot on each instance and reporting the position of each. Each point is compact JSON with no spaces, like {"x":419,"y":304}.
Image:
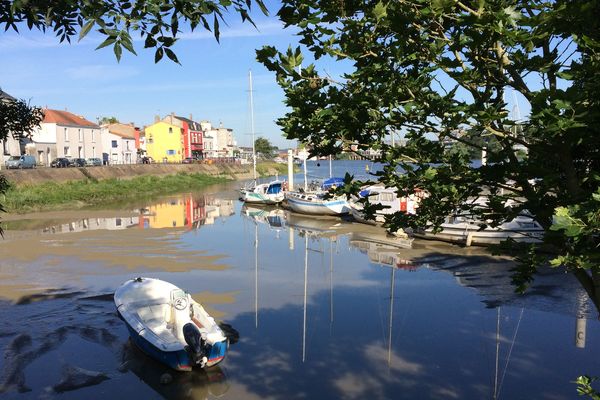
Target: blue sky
{"x":211,"y":84}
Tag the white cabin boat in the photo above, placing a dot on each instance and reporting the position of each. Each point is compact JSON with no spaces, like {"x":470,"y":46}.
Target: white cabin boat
{"x":387,"y":197}
{"x":319,"y":202}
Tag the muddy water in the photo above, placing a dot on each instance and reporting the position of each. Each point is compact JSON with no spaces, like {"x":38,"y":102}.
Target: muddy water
{"x":324,"y":308}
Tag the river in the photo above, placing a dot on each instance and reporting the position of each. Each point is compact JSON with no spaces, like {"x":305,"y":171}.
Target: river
{"x":324,"y":308}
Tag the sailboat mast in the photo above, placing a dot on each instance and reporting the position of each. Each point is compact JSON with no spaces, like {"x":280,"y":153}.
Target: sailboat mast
{"x":252,"y":126}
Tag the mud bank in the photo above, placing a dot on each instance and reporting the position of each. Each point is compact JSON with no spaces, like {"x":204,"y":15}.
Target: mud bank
{"x":41,"y":175}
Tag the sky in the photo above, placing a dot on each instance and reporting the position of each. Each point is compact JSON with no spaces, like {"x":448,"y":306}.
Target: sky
{"x":211,"y":84}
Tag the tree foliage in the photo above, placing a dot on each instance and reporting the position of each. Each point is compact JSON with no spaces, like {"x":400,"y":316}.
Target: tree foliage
{"x":431,"y":69}
{"x":158,"y":22}
{"x":108,"y":120}
{"x":264,"y":148}
{"x":18,"y":118}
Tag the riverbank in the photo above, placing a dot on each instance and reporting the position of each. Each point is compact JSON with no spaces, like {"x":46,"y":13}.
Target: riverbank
{"x":67,"y":188}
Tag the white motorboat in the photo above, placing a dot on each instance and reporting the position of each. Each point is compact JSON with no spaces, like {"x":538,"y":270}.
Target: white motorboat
{"x":386,"y":197}
{"x":468,"y":229}
{"x":168,"y":325}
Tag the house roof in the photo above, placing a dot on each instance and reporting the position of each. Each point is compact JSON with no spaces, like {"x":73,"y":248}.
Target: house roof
{"x":5,"y":96}
{"x":193,"y":125}
{"x":66,"y":118}
{"x":125,"y":131}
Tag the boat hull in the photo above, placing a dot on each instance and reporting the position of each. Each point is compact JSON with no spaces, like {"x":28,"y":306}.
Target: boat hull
{"x":310,"y":204}
{"x":472,"y":236}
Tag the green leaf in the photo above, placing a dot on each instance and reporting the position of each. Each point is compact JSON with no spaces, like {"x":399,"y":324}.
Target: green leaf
{"x":118,"y":51}
{"x":171,"y":55}
{"x":158,"y":55}
{"x":107,"y":42}
{"x":380,"y":11}
{"x":86,"y":29}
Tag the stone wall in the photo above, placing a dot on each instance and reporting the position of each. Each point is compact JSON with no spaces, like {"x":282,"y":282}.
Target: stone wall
{"x":40,"y":175}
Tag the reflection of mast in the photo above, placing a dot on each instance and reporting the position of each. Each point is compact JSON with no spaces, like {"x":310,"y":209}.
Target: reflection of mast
{"x":391,"y":316}
{"x":580,"y":327}
{"x":305,"y":288}
{"x":495,"y":395}
{"x":331,"y":282}
{"x":256,"y":274}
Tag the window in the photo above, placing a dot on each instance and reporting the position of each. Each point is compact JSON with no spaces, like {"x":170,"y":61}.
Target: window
{"x":67,"y":151}
{"x":66,"y":135}
{"x":171,"y":152}
{"x":93,"y":151}
{"x":93,"y":136}
{"x":170,"y":130}
{"x":80,"y":133}
{"x":114,"y":144}
{"x":127,"y":145}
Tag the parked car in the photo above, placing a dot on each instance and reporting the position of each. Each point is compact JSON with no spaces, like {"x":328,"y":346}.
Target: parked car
{"x":78,"y":162}
{"x":147,"y":160}
{"x":60,"y":162}
{"x":23,"y":161}
{"x":188,"y":160}
{"x":93,"y":162}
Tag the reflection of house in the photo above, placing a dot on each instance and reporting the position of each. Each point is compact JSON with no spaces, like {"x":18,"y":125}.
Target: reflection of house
{"x":164,"y":141}
{"x":64,"y":134}
{"x":177,"y":212}
{"x":90,"y":224}
{"x":10,"y":145}
{"x":118,"y":143}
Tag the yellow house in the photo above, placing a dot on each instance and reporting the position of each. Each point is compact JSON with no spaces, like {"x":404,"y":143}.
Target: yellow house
{"x":163,"y":142}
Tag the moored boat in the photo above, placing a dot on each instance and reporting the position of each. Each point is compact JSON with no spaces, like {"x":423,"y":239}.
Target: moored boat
{"x":319,"y":202}
{"x":386,"y":197}
{"x":465,"y":229}
{"x":168,"y":325}
{"x":264,"y":193}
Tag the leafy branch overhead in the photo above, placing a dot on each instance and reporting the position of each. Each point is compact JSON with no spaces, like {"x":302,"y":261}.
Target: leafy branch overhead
{"x":158,"y":22}
{"x":444,"y":76}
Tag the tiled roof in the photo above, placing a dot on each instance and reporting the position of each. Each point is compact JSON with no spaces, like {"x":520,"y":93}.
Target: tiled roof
{"x":123,"y":130}
{"x":65,"y":118}
{"x":193,"y":125}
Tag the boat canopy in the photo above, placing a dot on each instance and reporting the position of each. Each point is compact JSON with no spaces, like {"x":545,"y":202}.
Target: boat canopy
{"x":274,"y":188}
{"x":332,"y":183}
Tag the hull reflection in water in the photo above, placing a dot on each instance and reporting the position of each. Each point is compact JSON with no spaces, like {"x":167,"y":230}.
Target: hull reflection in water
{"x":198,"y":384}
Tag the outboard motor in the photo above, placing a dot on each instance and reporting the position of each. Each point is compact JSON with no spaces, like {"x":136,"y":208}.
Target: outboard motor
{"x":196,"y":344}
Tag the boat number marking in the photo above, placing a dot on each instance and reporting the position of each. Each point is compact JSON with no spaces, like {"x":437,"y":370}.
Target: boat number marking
{"x":180,"y":303}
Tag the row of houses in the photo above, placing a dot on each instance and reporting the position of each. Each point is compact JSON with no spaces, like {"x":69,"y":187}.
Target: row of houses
{"x":170,"y":139}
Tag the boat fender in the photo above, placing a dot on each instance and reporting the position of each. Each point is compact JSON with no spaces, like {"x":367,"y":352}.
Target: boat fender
{"x":196,"y":343}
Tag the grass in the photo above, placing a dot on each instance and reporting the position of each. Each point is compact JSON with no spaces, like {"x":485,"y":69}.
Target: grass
{"x":52,"y":195}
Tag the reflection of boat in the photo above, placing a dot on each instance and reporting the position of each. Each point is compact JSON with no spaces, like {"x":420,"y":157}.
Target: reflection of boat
{"x":466,"y":229}
{"x":317,"y":225}
{"x":167,"y":324}
{"x":198,"y":384}
{"x":380,"y":236}
{"x":386,"y":197}
{"x":275,"y":217}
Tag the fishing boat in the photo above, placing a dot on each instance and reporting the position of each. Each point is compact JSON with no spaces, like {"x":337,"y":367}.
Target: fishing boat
{"x":386,"y":197}
{"x":168,"y":325}
{"x":319,"y":202}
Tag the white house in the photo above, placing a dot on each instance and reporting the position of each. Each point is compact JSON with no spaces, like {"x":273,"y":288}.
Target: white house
{"x":218,"y":142}
{"x":10,"y":145}
{"x":64,"y":134}
{"x":118,"y":142}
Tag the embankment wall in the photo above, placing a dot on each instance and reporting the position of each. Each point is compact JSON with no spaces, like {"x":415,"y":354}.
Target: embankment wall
{"x":41,"y":175}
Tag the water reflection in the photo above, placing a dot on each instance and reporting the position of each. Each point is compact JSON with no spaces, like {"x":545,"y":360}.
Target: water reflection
{"x":325,"y":309}
{"x":187,"y":211}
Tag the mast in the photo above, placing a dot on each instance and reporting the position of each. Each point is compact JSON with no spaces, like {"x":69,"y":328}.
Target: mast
{"x":252,"y":126}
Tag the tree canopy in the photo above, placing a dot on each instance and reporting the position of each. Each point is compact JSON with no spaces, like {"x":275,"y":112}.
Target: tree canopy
{"x":158,"y":22}
{"x":264,"y":148}
{"x":439,"y":71}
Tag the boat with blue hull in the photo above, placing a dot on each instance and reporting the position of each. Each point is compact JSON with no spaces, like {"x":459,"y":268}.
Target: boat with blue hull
{"x":168,"y":325}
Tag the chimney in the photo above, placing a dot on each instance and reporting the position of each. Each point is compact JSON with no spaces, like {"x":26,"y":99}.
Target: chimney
{"x":172,"y":116}
{"x":156,"y":118}
{"x":191,"y":117}
{"x":132,"y":124}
